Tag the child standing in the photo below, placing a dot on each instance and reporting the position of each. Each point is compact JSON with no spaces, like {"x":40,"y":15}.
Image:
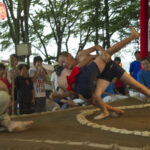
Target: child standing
{"x":39,"y":78}
{"x":24,"y":87}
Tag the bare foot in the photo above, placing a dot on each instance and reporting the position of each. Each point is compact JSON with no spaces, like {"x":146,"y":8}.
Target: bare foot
{"x":102,"y":116}
{"x":18,"y":126}
{"x":134,"y":32}
{"x":114,"y":114}
{"x":120,"y":112}
{"x":116,"y":110}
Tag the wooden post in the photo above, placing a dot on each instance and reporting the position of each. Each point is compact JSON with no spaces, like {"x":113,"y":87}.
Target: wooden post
{"x":144,"y":28}
{"x":13,"y":67}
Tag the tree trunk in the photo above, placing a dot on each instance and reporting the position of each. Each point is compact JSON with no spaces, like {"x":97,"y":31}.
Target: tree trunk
{"x":106,"y":11}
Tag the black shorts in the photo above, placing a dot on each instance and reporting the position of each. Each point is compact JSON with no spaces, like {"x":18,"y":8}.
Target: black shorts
{"x":87,"y":78}
{"x":111,"y":70}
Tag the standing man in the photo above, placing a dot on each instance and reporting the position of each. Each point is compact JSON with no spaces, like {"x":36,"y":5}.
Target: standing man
{"x":11,"y":75}
{"x":135,"y":65}
{"x":13,"y":71}
{"x":39,"y":78}
{"x":54,"y":80}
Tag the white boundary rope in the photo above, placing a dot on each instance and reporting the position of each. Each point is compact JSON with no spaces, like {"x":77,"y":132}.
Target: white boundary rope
{"x":82,"y":119}
{"x":84,"y":143}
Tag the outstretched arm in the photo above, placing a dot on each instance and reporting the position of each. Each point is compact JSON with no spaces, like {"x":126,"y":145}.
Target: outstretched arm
{"x":84,"y":57}
{"x":90,"y":50}
{"x":62,"y":95}
{"x":88,"y":59}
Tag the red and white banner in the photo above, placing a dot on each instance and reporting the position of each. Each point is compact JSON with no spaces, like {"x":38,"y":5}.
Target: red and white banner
{"x":144,"y":28}
{"x":149,"y":27}
{"x":3,"y":13}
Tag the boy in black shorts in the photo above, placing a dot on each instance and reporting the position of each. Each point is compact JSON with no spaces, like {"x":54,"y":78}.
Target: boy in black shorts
{"x":24,"y":87}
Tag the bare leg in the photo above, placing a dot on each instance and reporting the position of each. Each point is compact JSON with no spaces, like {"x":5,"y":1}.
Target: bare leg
{"x":114,"y":109}
{"x":115,"y":48}
{"x":126,"y":78}
{"x":109,"y":107}
{"x":100,"y":88}
{"x":17,"y":126}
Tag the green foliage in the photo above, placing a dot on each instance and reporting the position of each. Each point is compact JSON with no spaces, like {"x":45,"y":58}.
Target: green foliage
{"x":90,"y":21}
{"x":50,"y":59}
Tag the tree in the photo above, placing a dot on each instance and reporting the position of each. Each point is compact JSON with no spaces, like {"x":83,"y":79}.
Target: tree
{"x":109,"y":17}
{"x":61,"y":16}
{"x":92,"y":21}
{"x":18,"y":13}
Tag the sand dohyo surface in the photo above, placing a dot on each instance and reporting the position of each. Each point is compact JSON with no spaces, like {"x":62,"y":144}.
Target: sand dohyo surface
{"x":62,"y":130}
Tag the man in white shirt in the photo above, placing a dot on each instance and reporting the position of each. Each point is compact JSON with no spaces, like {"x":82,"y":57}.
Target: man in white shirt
{"x":54,"y":78}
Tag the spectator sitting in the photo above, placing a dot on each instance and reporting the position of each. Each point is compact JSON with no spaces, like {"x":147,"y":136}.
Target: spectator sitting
{"x":61,"y":96}
{"x":54,"y":103}
{"x":57,"y":91}
{"x":144,"y":74}
{"x":120,"y":87}
{"x":24,"y":87}
{"x":135,"y":65}
{"x":2,"y":75}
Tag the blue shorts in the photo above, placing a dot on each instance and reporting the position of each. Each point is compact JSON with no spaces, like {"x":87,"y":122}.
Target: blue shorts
{"x":86,"y":79}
